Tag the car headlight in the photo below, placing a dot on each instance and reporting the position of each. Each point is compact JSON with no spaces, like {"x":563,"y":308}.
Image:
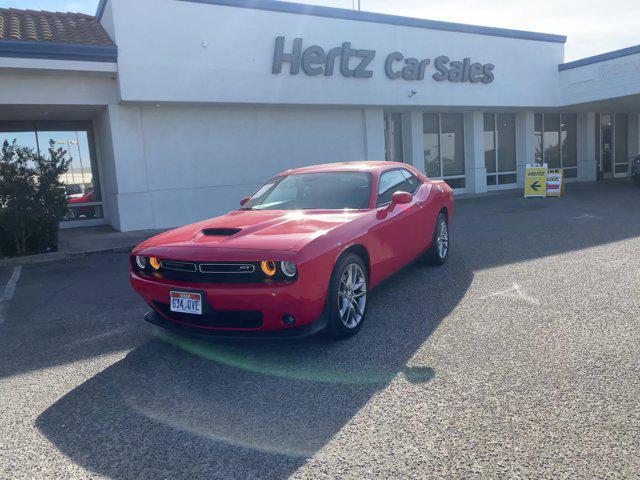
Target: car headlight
{"x":141,"y":262}
{"x":268,"y":268}
{"x":289,"y":268}
{"x":155,"y":263}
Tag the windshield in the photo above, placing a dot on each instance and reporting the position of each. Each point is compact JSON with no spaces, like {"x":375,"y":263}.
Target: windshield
{"x":314,"y":191}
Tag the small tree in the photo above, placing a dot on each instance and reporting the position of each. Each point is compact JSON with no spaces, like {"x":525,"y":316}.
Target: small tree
{"x":32,"y":198}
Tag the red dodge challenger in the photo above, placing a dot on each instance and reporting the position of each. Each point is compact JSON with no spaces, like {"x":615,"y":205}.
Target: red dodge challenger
{"x":300,"y":256}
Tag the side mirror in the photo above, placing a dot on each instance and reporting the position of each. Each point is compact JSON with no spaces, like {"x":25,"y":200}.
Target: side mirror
{"x":244,"y":200}
{"x":399,"y":198}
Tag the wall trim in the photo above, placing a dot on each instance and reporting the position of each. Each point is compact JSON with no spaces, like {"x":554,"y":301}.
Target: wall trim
{"x":600,"y":58}
{"x":58,"y":51}
{"x":100,"y":10}
{"x":345,"y":14}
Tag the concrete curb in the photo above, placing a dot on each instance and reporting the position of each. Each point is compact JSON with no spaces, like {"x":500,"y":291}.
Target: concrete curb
{"x":58,"y":256}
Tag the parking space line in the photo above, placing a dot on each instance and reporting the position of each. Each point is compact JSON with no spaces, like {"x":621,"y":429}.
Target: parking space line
{"x":9,"y":291}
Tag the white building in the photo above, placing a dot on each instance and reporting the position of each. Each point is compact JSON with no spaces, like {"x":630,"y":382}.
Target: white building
{"x":178,"y":108}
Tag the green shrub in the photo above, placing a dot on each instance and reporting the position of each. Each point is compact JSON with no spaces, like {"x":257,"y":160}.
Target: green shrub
{"x":32,"y":199}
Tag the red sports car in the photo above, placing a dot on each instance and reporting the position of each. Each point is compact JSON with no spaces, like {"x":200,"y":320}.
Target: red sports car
{"x":301,"y":254}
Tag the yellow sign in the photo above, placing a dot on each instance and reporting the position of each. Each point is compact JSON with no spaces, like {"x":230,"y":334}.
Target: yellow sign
{"x":555,"y":183}
{"x":535,"y":181}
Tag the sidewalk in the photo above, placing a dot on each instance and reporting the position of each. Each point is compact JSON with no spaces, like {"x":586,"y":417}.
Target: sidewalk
{"x":76,"y":242}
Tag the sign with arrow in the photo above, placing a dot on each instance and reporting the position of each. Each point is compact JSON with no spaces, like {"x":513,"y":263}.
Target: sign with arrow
{"x":535,"y":182}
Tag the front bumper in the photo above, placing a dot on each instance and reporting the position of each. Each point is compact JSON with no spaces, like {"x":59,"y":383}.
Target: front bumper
{"x":295,"y":332}
{"x":235,"y":310}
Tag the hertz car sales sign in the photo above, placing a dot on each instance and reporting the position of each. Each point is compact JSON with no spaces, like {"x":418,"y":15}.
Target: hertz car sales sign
{"x":535,"y":181}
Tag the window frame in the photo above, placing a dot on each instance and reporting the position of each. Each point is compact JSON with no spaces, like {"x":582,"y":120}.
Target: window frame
{"x":496,"y":159}
{"x":37,"y":126}
{"x":377,"y":199}
{"x":440,"y":163}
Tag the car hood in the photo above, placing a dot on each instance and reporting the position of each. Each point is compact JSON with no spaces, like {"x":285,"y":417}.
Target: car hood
{"x":251,"y":230}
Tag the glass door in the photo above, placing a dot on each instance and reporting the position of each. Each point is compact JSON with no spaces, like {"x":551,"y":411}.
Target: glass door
{"x":612,"y":144}
{"x":621,"y":145}
{"x":606,"y":142}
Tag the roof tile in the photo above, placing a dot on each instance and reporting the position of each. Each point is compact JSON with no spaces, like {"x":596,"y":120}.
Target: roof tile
{"x":40,"y":26}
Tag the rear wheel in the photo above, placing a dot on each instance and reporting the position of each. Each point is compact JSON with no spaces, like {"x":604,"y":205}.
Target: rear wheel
{"x":347,"y":297}
{"x":438,"y":253}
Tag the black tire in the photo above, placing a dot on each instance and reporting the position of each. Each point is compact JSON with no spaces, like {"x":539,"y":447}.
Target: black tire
{"x":636,"y":180}
{"x":336,"y":327}
{"x":436,"y":255}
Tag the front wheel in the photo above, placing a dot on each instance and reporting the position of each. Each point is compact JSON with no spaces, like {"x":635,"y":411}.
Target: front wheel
{"x":347,"y":297}
{"x":439,"y":250}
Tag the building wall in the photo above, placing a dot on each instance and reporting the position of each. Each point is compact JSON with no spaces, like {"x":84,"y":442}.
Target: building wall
{"x":617,"y":77}
{"x":179,"y":164}
{"x":107,"y":168}
{"x":54,"y":88}
{"x":226,"y":55}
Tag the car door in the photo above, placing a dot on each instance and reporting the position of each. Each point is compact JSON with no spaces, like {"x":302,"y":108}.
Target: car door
{"x":398,"y":226}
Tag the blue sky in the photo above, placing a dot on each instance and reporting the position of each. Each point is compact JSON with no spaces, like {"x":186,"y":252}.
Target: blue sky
{"x":593,"y":26}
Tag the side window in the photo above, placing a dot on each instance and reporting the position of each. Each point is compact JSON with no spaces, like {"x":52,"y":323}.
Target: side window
{"x":412,"y":180}
{"x":399,"y":180}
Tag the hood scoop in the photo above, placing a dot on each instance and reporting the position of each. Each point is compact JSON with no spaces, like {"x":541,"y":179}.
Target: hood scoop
{"x":220,"y":232}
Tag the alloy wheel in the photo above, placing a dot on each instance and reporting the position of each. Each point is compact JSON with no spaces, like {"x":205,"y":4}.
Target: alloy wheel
{"x":442,"y":240}
{"x":352,"y":296}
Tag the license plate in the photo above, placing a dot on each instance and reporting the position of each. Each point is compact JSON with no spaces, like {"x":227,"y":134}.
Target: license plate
{"x":185,"y":302}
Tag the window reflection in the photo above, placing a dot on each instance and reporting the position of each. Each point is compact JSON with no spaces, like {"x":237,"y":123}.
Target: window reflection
{"x":444,"y":147}
{"x":452,"y":144}
{"x":81,"y":182}
{"x":538,"y":137}
{"x":622,"y":143}
{"x":490,"y":142}
{"x":557,"y":141}
{"x":500,"y":148}
{"x":393,"y":137}
{"x":551,"y":139}
{"x":569,"y":141}
{"x":431,"y":145}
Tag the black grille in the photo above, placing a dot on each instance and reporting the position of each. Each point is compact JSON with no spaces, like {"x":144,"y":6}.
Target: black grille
{"x":246,"y":320}
{"x":179,"y":266}
{"x":238,"y":268}
{"x":212,"y":272}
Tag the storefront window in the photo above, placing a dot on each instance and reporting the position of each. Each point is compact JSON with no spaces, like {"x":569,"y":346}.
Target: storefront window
{"x":490,"y":146}
{"x":432,"y":145}
{"x":452,"y":144}
{"x":556,"y":141}
{"x":81,"y":182}
{"x":538,"y":137}
{"x":444,"y":147}
{"x":569,"y":141}
{"x":551,"y":140}
{"x":500,"y":148}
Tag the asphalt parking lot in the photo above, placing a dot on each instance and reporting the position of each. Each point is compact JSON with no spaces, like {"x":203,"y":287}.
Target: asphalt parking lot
{"x":518,"y":358}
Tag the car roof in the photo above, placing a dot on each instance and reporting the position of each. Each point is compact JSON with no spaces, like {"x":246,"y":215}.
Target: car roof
{"x":364,"y":166}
